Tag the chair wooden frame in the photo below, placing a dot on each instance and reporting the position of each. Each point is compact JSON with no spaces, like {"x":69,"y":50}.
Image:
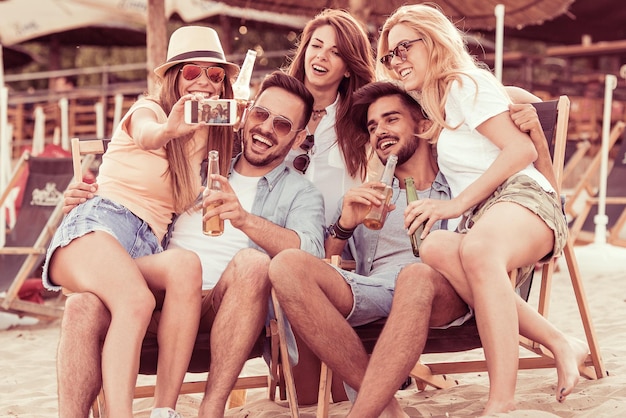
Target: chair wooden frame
{"x":434,"y":374}
{"x":10,"y":301}
{"x":274,"y":379}
{"x":615,"y":202}
{"x":585,"y":188}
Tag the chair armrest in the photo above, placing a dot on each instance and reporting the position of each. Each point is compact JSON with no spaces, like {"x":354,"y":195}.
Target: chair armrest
{"x":337,"y":261}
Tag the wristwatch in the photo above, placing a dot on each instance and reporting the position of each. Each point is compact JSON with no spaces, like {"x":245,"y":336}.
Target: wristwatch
{"x":338,"y":232}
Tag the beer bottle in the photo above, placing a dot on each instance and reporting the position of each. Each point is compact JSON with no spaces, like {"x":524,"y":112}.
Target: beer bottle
{"x":375,"y":218}
{"x":213,"y":226}
{"x":411,"y":195}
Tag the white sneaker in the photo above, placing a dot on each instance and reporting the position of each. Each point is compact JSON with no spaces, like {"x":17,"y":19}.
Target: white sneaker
{"x":164,"y":413}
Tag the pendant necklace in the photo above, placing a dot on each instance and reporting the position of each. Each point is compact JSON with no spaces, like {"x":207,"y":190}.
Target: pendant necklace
{"x":318,"y":114}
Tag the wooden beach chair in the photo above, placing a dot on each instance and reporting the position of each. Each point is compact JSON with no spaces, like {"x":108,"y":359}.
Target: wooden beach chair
{"x":26,"y":243}
{"x":554,"y":117}
{"x":575,"y":152}
{"x":587,"y":185}
{"x":583,"y":229}
{"x":201,"y":355}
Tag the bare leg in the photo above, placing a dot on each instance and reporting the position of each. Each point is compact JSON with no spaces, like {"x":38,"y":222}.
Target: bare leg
{"x":569,"y":353}
{"x":316,"y":299}
{"x":85,"y":323}
{"x":422,"y":298}
{"x":179,"y":274}
{"x":442,"y":250}
{"x":114,"y":277}
{"x":241,"y":298}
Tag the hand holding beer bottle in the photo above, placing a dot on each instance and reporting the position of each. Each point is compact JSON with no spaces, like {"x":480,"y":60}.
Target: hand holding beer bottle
{"x":214,"y":226}
{"x":375,"y":219}
{"x":411,"y":196}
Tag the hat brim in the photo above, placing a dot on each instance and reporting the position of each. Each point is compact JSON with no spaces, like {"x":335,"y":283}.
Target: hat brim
{"x":231,"y":69}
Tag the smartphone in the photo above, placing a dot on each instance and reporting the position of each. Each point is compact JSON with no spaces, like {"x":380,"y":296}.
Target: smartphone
{"x":221,"y":112}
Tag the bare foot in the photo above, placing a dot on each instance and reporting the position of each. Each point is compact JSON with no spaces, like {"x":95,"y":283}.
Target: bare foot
{"x":392,"y":410}
{"x":568,"y":358}
{"x":493,"y":407}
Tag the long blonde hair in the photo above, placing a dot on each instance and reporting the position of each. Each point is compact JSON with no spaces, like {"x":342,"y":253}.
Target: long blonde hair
{"x":448,"y":58}
{"x":183,"y":175}
{"x":356,"y":51}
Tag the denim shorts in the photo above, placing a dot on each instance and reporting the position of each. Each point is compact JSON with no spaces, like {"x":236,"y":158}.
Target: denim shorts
{"x":526,"y":192}
{"x":372,"y":297}
{"x":100,"y":214}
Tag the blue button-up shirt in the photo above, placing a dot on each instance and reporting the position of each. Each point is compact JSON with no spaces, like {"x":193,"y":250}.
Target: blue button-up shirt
{"x":287,"y":199}
{"x":363,"y":243}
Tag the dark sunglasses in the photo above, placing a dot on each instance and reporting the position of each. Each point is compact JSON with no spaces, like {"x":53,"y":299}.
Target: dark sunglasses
{"x":193,"y":71}
{"x":399,"y":51}
{"x":301,"y":162}
{"x":282,"y":126}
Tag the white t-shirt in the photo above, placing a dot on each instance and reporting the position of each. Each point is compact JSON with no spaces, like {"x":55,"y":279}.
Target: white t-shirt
{"x":327,"y":169}
{"x":215,"y":252}
{"x":464,"y":154}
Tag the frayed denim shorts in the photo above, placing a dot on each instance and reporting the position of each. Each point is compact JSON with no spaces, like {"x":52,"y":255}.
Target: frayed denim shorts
{"x":372,"y":296}
{"x":100,"y":214}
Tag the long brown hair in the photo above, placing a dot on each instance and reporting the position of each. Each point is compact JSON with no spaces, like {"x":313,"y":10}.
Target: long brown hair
{"x":220,"y":138}
{"x":355,"y":49}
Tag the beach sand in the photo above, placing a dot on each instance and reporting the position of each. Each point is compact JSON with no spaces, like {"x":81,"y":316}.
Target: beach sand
{"x":28,"y":374}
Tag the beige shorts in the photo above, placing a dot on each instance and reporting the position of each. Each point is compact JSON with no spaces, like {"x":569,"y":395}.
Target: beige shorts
{"x":526,"y":192}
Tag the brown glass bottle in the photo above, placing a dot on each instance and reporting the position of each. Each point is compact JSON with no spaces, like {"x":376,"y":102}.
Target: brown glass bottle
{"x":213,"y":226}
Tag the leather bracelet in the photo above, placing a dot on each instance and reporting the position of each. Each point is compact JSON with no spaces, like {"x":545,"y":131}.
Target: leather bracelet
{"x":336,"y":231}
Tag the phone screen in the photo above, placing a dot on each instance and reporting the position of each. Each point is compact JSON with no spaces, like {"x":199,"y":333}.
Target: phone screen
{"x":211,"y":112}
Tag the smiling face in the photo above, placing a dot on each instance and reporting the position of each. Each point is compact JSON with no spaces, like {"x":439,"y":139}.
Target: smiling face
{"x":412,"y":71}
{"x":200,"y":85}
{"x":263,"y":148}
{"x":323,"y":66}
{"x":392,"y":129}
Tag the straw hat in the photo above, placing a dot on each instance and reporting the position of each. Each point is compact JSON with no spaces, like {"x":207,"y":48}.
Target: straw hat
{"x":196,"y":43}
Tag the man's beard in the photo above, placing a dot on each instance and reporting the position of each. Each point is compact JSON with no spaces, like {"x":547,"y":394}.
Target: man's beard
{"x":262,"y":161}
{"x":405,"y":152}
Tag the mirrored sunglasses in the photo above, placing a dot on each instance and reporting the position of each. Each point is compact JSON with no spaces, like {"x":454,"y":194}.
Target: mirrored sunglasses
{"x":193,"y":71}
{"x":281,"y":125}
{"x":399,"y":51}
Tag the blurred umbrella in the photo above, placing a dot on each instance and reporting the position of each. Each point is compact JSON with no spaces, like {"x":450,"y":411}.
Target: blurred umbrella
{"x":16,"y":57}
{"x":26,"y":20}
{"x":603,"y":20}
{"x":468,"y":14}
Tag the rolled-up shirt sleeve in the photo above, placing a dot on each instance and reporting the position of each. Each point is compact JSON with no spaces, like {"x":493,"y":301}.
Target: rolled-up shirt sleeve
{"x":306,"y":218}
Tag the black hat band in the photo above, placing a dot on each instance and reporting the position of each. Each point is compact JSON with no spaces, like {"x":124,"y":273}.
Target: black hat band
{"x":197,"y":54}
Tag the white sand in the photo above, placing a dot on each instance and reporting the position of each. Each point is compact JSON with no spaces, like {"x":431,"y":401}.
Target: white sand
{"x":28,"y":375}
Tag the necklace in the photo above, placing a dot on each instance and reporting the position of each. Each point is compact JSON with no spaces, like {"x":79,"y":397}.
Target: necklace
{"x":318,"y":114}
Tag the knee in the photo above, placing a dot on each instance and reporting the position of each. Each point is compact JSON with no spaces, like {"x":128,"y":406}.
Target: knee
{"x":85,"y":315}
{"x":433,"y":249}
{"x":415,"y":279}
{"x":251,"y":268}
{"x":185,"y":273}
{"x":474,"y":256}
{"x":283,"y":267}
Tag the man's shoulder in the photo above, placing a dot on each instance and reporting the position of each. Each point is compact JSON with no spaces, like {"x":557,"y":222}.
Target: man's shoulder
{"x":294,"y":177}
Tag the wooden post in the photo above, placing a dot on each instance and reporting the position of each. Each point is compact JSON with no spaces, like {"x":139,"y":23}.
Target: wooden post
{"x":156,"y":40}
